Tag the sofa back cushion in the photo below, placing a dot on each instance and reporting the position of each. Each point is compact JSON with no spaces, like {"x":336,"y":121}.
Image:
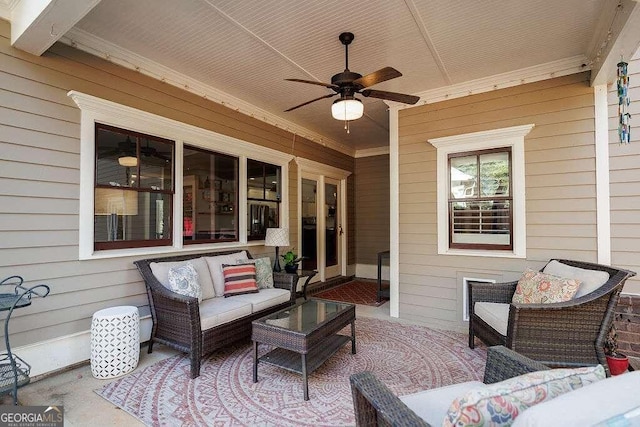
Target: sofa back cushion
{"x":215,"y":268}
{"x":239,"y":279}
{"x":161,"y":271}
{"x":499,"y":404}
{"x":535,"y":287}
{"x":590,"y":279}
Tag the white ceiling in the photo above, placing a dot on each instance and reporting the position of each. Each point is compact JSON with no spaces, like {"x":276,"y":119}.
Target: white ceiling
{"x":246,"y":48}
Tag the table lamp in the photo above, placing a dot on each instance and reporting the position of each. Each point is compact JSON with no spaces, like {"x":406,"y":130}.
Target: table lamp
{"x":277,"y":237}
{"x":113,"y":202}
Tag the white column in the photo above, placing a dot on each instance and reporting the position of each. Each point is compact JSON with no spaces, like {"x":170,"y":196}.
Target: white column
{"x":603,"y":216}
{"x":394,"y":215}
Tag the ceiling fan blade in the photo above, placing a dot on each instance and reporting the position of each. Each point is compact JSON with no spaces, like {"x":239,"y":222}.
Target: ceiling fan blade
{"x":382,"y":75}
{"x":311,"y":82}
{"x":309,"y":102}
{"x":391,"y":96}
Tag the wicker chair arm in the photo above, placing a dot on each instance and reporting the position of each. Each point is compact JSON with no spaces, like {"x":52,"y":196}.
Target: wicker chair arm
{"x":286,"y":281}
{"x":503,"y":364}
{"x":375,"y":404}
{"x":491,"y":292}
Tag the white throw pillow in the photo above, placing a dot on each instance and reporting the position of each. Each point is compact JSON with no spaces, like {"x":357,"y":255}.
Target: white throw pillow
{"x":161,"y":271}
{"x":215,"y":268}
{"x":183,"y":280}
{"x":590,"y":280}
{"x":264,"y":273}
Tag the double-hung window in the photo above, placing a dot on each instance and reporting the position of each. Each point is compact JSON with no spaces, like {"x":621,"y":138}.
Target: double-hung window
{"x":481,"y":193}
{"x":480,"y":201}
{"x":263,"y":198}
{"x":133,"y":189}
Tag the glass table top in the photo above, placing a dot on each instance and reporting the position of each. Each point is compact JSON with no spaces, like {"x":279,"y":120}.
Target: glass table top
{"x":306,"y":316}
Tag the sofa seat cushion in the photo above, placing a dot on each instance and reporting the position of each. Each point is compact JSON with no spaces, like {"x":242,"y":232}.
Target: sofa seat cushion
{"x":431,"y":405}
{"x":161,"y":271}
{"x":216,"y":311}
{"x":264,"y":299}
{"x":494,"y":314}
{"x":590,"y":279}
{"x":499,"y":404}
{"x":587,"y":406}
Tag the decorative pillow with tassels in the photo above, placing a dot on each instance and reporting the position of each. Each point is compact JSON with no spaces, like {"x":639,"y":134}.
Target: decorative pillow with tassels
{"x":183,"y":280}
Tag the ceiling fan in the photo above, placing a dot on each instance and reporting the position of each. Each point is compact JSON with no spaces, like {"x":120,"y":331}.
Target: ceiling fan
{"x":347,"y":84}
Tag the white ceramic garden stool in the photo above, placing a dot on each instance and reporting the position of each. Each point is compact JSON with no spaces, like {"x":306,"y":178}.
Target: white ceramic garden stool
{"x":115,"y":341}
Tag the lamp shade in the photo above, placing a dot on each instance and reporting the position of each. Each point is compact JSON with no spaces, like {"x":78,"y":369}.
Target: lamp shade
{"x":347,"y":109}
{"x":277,"y":237}
{"x":116,"y":201}
{"x":129,"y":161}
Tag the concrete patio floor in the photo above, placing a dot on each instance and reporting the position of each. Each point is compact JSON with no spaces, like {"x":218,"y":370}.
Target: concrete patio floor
{"x":74,"y":388}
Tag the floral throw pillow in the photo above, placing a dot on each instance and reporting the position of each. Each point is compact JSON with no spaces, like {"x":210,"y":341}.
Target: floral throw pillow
{"x":183,"y":280}
{"x":264,"y":273}
{"x":499,"y":404}
{"x":239,"y":279}
{"x":535,"y":287}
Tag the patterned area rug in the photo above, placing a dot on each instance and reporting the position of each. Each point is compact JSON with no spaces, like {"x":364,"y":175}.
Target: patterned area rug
{"x":405,"y":357}
{"x":354,"y":292}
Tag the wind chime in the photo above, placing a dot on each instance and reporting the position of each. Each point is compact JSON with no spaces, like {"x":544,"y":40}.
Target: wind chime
{"x":624,"y":128}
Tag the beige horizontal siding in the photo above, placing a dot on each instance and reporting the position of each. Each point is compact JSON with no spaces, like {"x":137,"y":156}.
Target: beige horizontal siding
{"x":560,"y":189}
{"x":624,"y":178}
{"x":372,"y":208}
{"x":39,"y":178}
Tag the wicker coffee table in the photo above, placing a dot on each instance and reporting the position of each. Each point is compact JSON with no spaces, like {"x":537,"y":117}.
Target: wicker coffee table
{"x":304,"y":335}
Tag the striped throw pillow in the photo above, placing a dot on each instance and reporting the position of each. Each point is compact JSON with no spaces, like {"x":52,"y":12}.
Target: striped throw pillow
{"x":239,"y":279}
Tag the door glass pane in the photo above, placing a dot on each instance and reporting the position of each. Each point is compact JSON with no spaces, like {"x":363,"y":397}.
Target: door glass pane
{"x":309,"y":221}
{"x":331,"y":225}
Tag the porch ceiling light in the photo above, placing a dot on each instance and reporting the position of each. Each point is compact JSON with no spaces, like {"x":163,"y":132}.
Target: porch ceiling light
{"x":347,"y":109}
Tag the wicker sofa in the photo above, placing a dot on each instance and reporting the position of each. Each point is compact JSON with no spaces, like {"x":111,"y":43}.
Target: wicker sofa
{"x":178,"y":319}
{"x":608,"y":401}
{"x":376,"y":405}
{"x":564,"y":334}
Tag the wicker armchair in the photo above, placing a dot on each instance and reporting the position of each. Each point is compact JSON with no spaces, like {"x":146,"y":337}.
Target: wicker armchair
{"x":565,"y":334}
{"x":375,"y":405}
{"x":176,"y":318}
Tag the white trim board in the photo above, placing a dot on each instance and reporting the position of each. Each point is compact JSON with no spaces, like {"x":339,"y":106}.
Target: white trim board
{"x":67,"y":350}
{"x":559,"y":68}
{"x":89,"y":43}
{"x":371,"y":152}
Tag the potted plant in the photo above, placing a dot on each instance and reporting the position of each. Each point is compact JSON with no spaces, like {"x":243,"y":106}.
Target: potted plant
{"x":291,"y":261}
{"x":618,"y":362}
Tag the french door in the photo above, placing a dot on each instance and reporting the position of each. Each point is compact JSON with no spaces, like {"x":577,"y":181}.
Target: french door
{"x":321,"y":226}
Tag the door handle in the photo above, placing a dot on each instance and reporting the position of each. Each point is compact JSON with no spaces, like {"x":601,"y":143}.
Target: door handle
{"x":340,"y":231}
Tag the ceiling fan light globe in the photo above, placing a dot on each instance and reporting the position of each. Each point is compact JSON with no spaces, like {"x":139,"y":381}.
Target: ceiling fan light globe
{"x":128,"y":161}
{"x":347,"y":109}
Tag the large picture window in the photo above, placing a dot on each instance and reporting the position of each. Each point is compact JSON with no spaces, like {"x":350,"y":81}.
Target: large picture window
{"x":133,"y":189}
{"x":210,"y":196}
{"x":263,"y":198}
{"x":480,"y":201}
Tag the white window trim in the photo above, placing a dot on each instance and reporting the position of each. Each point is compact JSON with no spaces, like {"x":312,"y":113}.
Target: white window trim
{"x":506,"y":137}
{"x":95,"y":109}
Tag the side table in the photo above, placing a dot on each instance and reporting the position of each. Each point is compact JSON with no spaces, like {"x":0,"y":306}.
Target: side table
{"x":301,"y":274}
{"x":115,"y":341}
{"x":382,"y":293}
